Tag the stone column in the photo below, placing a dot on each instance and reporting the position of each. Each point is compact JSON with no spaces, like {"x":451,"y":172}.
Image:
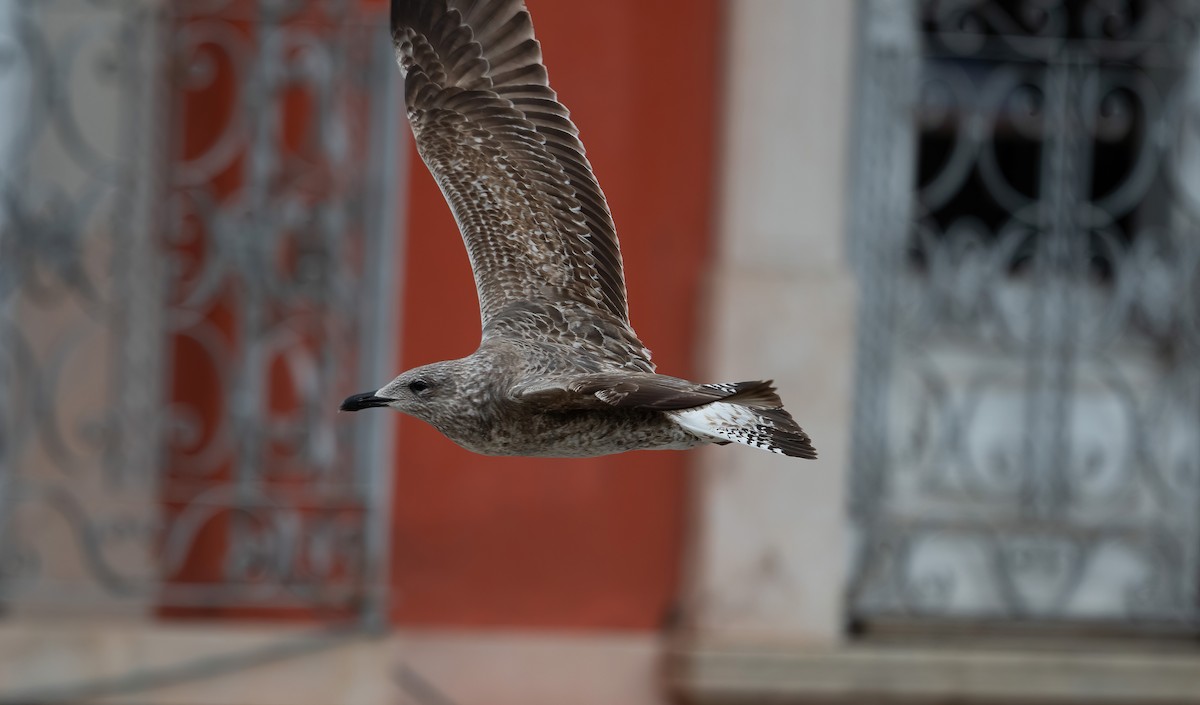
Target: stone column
{"x":769,"y":549}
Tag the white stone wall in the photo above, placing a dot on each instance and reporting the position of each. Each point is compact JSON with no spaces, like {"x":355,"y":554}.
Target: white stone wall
{"x":769,"y":545}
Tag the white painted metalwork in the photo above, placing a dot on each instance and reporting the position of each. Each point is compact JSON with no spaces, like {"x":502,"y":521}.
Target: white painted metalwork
{"x":122,"y":245}
{"x":1026,"y":228}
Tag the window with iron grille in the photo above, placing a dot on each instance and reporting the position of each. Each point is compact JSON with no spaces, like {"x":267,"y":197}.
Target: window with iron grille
{"x":1027,"y":233}
{"x":194,"y":239}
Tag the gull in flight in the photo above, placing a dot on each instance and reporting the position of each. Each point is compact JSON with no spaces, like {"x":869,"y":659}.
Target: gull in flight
{"x":559,"y":371}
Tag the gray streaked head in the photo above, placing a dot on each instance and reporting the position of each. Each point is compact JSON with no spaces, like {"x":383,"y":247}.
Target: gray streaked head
{"x":421,"y":392}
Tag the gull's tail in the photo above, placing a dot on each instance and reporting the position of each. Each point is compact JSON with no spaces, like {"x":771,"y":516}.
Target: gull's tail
{"x":752,"y":415}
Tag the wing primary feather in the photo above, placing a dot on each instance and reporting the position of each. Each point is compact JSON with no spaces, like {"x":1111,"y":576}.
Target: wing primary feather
{"x":508,"y":158}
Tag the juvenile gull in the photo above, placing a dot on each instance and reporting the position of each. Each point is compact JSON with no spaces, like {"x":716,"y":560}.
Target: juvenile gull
{"x":559,"y":371}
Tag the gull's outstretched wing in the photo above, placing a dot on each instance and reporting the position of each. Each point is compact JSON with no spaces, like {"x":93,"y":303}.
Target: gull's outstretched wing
{"x":508,"y":159}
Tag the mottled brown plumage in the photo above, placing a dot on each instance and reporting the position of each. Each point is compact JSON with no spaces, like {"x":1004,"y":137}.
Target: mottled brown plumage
{"x":559,"y":371}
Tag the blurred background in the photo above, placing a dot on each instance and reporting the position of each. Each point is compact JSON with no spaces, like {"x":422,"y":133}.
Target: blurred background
{"x":961,"y":235}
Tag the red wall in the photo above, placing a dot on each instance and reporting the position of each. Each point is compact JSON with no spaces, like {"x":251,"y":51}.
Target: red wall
{"x":569,"y":543}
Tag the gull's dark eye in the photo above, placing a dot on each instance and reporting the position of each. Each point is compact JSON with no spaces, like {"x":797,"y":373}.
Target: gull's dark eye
{"x":417,"y":386}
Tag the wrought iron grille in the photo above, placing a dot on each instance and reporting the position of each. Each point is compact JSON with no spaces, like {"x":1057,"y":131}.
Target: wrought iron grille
{"x":195,"y":253}
{"x":1027,"y":233}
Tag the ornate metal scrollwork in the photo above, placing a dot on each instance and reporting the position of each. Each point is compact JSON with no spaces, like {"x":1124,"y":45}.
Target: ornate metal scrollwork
{"x":194,"y":202}
{"x":1035,"y":388}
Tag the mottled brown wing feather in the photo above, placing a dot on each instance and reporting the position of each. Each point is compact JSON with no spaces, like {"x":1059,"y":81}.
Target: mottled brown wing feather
{"x":601,"y":340}
{"x":507,"y":157}
{"x":658,"y":392}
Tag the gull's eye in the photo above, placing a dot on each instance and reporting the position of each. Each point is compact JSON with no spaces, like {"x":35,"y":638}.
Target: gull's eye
{"x":417,"y":386}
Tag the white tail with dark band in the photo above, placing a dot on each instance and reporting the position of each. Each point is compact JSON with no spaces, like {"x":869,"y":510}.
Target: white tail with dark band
{"x":752,"y":415}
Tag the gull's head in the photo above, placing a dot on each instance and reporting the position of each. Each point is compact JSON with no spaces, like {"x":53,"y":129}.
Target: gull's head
{"x":420,"y":392}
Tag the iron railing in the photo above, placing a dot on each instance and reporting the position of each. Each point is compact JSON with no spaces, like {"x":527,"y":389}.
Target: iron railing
{"x":196,"y":216}
{"x":1026,"y":228}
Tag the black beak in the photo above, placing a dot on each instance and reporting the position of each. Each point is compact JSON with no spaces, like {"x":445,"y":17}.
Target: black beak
{"x":366,"y":400}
